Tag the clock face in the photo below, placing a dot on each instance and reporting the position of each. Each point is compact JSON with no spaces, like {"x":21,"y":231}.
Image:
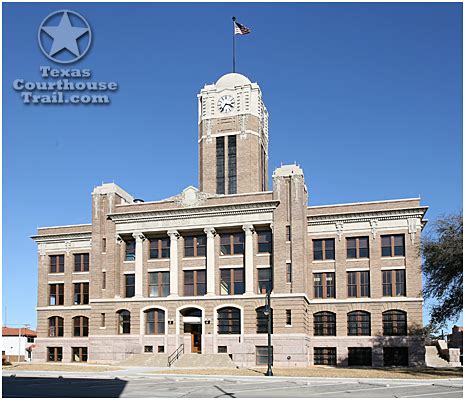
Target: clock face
{"x":226,"y":104}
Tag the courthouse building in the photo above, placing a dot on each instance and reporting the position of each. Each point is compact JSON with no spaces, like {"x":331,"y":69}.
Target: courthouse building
{"x":191,"y":271}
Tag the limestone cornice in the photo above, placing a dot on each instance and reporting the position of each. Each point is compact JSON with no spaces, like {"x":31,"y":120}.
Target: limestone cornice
{"x":367,"y":216}
{"x":60,"y":237}
{"x":195,"y":212}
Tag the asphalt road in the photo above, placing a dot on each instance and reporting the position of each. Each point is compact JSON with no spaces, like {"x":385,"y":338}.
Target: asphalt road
{"x":50,"y":385}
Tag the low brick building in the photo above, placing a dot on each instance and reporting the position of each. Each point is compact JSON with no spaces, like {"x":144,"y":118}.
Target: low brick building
{"x":193,"y":269}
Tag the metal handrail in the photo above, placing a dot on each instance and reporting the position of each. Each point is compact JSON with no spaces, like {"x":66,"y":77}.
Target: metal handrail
{"x":175,"y":355}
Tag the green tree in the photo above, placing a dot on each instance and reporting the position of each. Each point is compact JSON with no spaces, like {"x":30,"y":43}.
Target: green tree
{"x":442,"y":252}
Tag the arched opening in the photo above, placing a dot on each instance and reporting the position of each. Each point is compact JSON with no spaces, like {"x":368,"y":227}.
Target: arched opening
{"x":191,"y":324}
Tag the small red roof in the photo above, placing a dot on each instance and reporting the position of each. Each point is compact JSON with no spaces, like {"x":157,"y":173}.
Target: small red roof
{"x":18,"y":331}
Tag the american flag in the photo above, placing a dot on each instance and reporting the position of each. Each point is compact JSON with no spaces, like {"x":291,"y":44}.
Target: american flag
{"x":240,"y":29}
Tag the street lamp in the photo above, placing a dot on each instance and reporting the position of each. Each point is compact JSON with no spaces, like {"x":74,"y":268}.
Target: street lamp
{"x":267,"y":313}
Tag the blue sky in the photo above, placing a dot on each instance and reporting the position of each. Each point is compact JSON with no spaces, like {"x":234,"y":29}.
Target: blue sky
{"x":367,"y":98}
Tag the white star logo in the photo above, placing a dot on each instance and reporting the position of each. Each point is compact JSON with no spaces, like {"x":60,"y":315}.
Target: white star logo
{"x":65,"y":37}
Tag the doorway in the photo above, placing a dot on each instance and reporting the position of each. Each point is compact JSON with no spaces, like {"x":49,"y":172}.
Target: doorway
{"x":192,"y":321}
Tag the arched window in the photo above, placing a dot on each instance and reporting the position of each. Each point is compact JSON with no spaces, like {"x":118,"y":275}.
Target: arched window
{"x":154,"y":322}
{"x":324,"y":324}
{"x":124,"y":322}
{"x":229,"y":320}
{"x":394,"y":323}
{"x":55,"y":326}
{"x":359,"y":323}
{"x":80,"y":326}
{"x":262,"y":320}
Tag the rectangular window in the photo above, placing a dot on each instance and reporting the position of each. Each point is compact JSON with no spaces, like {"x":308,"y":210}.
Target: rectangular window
{"x":324,"y":355}
{"x":160,"y":349}
{"x":357,"y":247}
{"x":195,"y":283}
{"x":148,"y":349}
{"x":288,"y":273}
{"x":395,"y":356}
{"x":57,"y":294}
{"x":222,"y":349}
{"x":130,"y":285}
{"x":104,"y":280}
{"x":288,"y":233}
{"x":232,"y":174}
{"x":104,"y":245}
{"x":160,"y":248}
{"x":159,"y":284}
{"x":57,"y":263}
{"x":231,"y":244}
{"x":232,"y":281}
{"x":323,"y":249}
{"x":261,"y":353}
{"x":81,"y":262}
{"x":358,"y":284}
{"x":324,"y":285}
{"x":54,"y":354}
{"x":265,"y":282}
{"x":81,"y":293}
{"x":102,"y":320}
{"x":394,"y":283}
{"x":360,"y":356}
{"x":195,"y":246}
{"x":288,"y":317}
{"x":220,"y":165}
{"x":392,"y":246}
{"x":79,"y":354}
{"x":130,"y":254}
{"x":265,"y":243}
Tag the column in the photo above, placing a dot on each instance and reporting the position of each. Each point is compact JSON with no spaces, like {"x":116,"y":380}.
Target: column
{"x":174,"y":236}
{"x":211,"y":233}
{"x":139,"y":263}
{"x":249,"y":267}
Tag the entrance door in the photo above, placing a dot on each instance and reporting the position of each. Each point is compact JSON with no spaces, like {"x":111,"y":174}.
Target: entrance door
{"x":196,"y":339}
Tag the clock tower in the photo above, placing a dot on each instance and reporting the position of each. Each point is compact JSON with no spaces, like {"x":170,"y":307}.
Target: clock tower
{"x":233,"y":137}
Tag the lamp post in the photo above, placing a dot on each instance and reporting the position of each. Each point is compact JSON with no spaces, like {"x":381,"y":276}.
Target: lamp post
{"x":267,"y":313}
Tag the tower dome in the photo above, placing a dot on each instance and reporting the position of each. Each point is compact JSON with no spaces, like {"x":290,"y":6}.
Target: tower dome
{"x":231,"y":80}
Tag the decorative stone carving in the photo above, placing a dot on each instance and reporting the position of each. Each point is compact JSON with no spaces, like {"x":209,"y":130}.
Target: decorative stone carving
{"x":208,"y":128}
{"x":96,"y":205}
{"x":243,"y":120}
{"x":374,"y":227}
{"x":139,"y":236}
{"x":68,"y":246}
{"x":339,"y":229}
{"x":412,"y":228}
{"x":118,"y":239}
{"x":210,"y":232}
{"x":248,"y":229}
{"x":41,"y":248}
{"x":111,"y":201}
{"x":190,"y":197}
{"x":173,"y":234}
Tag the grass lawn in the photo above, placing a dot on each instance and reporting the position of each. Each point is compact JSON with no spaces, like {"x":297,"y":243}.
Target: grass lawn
{"x":58,"y":367}
{"x":392,"y":373}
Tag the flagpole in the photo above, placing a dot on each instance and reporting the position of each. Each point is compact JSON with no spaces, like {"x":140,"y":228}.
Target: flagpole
{"x":234,"y":45}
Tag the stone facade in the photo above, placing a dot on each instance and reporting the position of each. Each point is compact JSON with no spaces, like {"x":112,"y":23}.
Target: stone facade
{"x":123,"y":231}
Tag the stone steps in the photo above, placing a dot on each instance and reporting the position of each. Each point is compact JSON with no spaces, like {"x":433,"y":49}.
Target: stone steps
{"x":145,"y":360}
{"x":204,"y":361}
{"x":433,"y":359}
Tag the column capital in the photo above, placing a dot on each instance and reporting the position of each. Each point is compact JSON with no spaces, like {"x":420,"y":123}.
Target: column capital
{"x":210,"y":232}
{"x":139,"y":236}
{"x":248,"y":229}
{"x":118,"y":239}
{"x":173,"y":234}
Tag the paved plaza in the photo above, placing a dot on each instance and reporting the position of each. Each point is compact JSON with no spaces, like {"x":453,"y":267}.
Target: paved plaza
{"x":139,"y":384}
